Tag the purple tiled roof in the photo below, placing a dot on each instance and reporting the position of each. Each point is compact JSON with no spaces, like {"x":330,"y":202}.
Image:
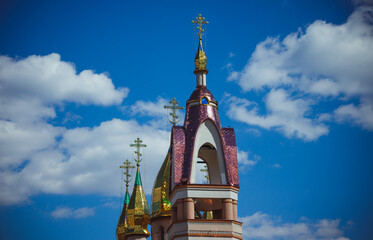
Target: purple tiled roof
{"x":230,"y":153}
{"x":183,"y":139}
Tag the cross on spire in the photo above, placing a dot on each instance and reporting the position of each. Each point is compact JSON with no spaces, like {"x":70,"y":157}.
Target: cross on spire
{"x":174,"y":107}
{"x":207,"y":173}
{"x":200,"y":21}
{"x":138,"y":144}
{"x":127,"y":165}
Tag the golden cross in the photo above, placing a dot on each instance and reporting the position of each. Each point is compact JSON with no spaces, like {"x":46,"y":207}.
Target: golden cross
{"x":127,"y":165}
{"x":138,"y":145}
{"x":174,"y":107}
{"x":207,"y":173}
{"x":200,"y":20}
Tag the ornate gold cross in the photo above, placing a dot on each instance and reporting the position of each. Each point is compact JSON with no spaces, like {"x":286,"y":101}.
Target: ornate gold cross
{"x":200,"y":20}
{"x":138,"y":145}
{"x":207,"y":173}
{"x":127,"y":165}
{"x":174,"y":107}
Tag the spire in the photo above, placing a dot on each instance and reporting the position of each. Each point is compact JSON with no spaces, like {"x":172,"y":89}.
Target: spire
{"x":123,"y":223}
{"x":200,"y":61}
{"x":138,"y":208}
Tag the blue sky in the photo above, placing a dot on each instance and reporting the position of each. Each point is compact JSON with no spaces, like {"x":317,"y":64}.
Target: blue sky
{"x":80,"y":80}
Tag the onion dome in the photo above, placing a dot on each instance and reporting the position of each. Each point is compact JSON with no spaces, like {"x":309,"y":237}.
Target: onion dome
{"x":161,"y":205}
{"x":138,"y":210}
{"x":200,"y":61}
{"x":123,"y":223}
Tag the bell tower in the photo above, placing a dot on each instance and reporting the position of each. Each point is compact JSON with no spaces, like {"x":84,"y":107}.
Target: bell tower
{"x":203,"y":211}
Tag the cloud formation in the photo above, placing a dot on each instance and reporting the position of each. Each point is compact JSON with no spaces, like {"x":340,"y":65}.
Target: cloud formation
{"x":285,"y":114}
{"x":84,"y":161}
{"x":244,"y":162}
{"x":263,"y":226}
{"x":325,"y":63}
{"x":39,"y":157}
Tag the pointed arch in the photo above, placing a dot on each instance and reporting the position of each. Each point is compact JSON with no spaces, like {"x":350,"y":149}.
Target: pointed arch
{"x":208,"y":146}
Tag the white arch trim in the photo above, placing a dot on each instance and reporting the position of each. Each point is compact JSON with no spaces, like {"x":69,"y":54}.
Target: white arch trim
{"x":208,"y":133}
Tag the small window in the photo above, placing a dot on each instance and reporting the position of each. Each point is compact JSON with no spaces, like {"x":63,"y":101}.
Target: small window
{"x":204,"y":101}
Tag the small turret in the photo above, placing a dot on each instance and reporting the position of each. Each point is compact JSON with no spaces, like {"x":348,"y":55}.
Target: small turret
{"x":138,"y":208}
{"x":123,"y":223}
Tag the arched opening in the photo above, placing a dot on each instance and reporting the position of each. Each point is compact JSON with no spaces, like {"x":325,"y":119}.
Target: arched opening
{"x":208,"y":147}
{"x":208,"y":153}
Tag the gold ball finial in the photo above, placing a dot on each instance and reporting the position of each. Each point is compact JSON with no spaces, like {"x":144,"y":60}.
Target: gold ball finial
{"x":200,"y":60}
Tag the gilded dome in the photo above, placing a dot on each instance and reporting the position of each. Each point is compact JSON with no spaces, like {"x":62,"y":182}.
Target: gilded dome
{"x":138,"y":210}
{"x":161,"y":205}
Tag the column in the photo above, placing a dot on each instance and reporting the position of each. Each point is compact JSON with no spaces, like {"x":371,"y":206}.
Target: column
{"x":235,"y":217}
{"x":227,"y":209}
{"x":189,"y":208}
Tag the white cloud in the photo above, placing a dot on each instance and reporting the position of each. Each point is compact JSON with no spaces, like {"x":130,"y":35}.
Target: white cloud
{"x":149,"y":108}
{"x":54,"y":81}
{"x":66,"y":212}
{"x":18,"y":142}
{"x":160,"y":116}
{"x":285,"y":114}
{"x":244,"y":162}
{"x":264,"y":226}
{"x":361,"y":115}
{"x":326,"y":54}
{"x":38,"y":157}
{"x":326,"y":61}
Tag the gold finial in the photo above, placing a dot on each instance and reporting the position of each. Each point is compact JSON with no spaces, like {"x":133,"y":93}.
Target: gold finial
{"x":174,"y":107}
{"x":127,"y":165}
{"x":138,"y":145}
{"x":206,"y":174}
{"x":200,"y":21}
